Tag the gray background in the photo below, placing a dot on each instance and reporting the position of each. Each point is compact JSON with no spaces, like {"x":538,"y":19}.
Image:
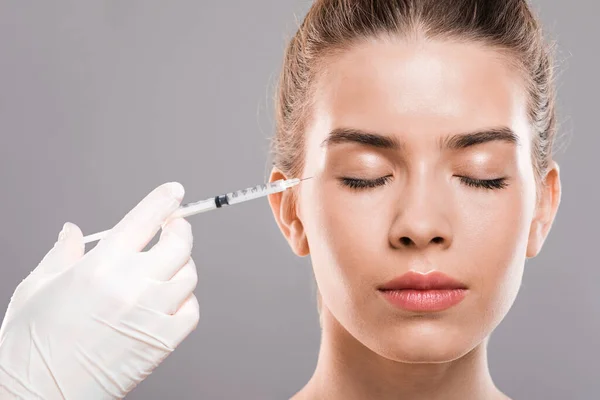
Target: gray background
{"x":102,"y":101}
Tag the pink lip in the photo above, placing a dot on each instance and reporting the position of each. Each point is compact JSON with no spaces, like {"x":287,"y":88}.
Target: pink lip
{"x":434,"y":291}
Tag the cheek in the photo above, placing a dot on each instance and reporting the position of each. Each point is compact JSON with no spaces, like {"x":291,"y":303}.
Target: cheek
{"x":492,"y":241}
{"x":346,"y":235}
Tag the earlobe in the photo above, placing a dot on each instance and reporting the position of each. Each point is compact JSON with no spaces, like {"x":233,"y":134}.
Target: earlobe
{"x":298,"y":240}
{"x":546,"y":210}
{"x":283,"y":206}
{"x":534,"y":245}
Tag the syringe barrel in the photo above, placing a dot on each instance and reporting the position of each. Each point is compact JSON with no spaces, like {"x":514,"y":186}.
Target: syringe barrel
{"x":256,"y":192}
{"x":194,"y":208}
{"x":247,"y":194}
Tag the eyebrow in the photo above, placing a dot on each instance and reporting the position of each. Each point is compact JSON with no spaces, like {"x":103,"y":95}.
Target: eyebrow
{"x":464,"y":140}
{"x":452,"y":142}
{"x":371,"y":139}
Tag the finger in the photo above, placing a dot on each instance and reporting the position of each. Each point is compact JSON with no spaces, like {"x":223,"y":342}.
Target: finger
{"x":140,"y":225}
{"x":172,"y":251}
{"x":167,"y":297}
{"x":165,"y":332}
{"x":66,"y":251}
{"x":184,"y":321}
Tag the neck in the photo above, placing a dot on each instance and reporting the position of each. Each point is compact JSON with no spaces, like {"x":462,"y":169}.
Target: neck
{"x":346,"y":369}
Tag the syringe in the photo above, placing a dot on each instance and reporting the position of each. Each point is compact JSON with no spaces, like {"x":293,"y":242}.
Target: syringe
{"x":221,"y":201}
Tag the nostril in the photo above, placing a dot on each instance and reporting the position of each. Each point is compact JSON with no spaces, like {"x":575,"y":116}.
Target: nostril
{"x":406,"y":241}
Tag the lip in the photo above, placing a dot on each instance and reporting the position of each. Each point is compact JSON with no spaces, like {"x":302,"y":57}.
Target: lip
{"x":430,"y":292}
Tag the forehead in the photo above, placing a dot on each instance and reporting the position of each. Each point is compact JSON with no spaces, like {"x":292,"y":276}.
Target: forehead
{"x":418,"y":89}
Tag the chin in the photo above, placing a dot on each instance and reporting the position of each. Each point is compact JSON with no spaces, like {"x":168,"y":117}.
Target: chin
{"x":423,"y":342}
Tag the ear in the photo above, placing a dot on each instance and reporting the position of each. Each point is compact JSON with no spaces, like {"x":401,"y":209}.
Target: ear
{"x":546,"y":209}
{"x":284,"y":207}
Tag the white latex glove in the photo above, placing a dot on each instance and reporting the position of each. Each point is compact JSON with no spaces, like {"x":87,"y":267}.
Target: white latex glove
{"x":93,"y":326}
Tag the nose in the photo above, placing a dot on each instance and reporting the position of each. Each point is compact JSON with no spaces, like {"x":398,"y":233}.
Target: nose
{"x":422,"y":219}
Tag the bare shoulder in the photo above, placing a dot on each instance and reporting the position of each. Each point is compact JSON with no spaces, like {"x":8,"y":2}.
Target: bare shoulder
{"x":302,"y":395}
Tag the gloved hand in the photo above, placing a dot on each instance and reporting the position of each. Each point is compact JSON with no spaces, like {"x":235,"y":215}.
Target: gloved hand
{"x":93,"y":326}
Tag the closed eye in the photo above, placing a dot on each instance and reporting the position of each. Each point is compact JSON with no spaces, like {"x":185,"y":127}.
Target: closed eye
{"x":491,"y":184}
{"x":358,"y":184}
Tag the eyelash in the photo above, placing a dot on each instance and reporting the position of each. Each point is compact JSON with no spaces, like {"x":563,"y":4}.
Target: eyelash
{"x":490,"y":184}
{"x":360,"y":184}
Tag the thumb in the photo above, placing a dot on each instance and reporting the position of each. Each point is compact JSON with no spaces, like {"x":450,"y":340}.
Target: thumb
{"x":66,"y":251}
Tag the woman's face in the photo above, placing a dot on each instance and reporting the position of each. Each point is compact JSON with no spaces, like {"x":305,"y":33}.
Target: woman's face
{"x":417,"y":195}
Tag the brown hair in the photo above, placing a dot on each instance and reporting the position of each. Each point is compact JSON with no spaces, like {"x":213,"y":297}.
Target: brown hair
{"x":331,"y":26}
